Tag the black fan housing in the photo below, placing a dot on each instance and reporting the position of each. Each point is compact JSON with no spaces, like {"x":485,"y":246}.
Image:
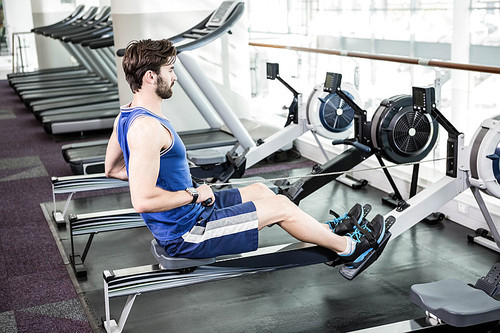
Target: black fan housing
{"x":402,"y":134}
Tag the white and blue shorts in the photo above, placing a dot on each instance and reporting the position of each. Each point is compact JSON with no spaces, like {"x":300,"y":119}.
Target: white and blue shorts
{"x":226,"y":227}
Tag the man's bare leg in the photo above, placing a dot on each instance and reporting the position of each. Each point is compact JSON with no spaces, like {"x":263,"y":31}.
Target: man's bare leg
{"x":272,"y":208}
{"x":279,"y":209}
{"x":255,"y":191}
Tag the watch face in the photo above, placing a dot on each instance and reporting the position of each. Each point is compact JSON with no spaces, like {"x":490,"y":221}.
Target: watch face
{"x":194,"y":193}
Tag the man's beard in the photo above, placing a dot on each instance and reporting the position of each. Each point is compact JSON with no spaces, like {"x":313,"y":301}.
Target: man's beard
{"x":162,"y":90}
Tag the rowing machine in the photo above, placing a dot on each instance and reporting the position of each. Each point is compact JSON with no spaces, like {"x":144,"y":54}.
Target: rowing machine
{"x":171,"y":272}
{"x":476,"y":167}
{"x":397,"y":133}
{"x":452,"y":302}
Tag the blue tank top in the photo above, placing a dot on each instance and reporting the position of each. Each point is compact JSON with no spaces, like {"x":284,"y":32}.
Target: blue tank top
{"x":174,"y":175}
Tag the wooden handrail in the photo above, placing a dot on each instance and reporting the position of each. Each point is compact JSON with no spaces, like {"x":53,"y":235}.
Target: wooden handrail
{"x":399,"y":59}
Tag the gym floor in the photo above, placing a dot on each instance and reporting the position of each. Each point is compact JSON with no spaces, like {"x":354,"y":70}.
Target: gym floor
{"x":306,"y":299}
{"x":39,"y":293}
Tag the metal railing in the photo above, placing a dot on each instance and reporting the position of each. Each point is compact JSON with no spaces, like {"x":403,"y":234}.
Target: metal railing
{"x":391,"y":58}
{"x":20,"y":47}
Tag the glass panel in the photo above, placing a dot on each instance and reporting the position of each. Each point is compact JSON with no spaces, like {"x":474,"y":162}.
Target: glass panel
{"x":362,"y":23}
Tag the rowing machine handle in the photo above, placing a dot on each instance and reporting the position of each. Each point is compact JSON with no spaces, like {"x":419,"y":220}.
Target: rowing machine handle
{"x":356,"y":144}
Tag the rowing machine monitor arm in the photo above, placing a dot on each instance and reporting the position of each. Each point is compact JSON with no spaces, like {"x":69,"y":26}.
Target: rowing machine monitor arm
{"x":273,"y":73}
{"x":424,"y":100}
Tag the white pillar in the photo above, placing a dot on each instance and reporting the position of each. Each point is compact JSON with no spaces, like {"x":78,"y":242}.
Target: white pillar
{"x":17,"y":20}
{"x":460,"y":52}
{"x":50,"y":52}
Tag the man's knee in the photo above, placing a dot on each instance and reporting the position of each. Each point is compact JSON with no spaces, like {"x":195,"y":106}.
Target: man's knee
{"x":285,"y":206}
{"x":262,"y":189}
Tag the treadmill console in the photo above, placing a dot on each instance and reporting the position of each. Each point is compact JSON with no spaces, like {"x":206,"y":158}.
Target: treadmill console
{"x":332,"y":82}
{"x":424,"y":99}
{"x":221,"y":14}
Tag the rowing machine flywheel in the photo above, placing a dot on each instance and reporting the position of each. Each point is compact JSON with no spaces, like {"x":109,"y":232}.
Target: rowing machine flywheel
{"x":402,"y":134}
{"x":485,"y":156}
{"x":329,"y":114}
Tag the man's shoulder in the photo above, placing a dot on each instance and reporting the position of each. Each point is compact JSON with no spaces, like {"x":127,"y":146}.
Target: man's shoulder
{"x":147,"y":132}
{"x":146,"y":123}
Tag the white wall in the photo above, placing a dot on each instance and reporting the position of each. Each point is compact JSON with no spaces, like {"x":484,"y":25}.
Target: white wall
{"x":16,"y":21}
{"x":50,"y":52}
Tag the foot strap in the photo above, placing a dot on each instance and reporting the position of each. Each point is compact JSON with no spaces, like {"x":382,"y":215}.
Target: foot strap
{"x":490,"y":283}
{"x":367,"y":233}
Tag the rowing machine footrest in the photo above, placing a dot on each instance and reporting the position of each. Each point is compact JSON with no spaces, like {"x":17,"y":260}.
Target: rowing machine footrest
{"x":206,"y":156}
{"x":173,"y":263}
{"x":350,"y":272}
{"x":455,"y":302}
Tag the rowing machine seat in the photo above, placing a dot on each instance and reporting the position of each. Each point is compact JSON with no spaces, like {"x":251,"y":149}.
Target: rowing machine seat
{"x":175,"y":263}
{"x":206,"y":156}
{"x":456,"y":302}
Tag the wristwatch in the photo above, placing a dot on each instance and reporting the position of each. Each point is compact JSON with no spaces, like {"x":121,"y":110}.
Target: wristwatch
{"x":192,"y":191}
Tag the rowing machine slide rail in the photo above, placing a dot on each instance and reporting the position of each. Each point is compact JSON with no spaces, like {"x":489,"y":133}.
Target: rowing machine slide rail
{"x":270,"y":258}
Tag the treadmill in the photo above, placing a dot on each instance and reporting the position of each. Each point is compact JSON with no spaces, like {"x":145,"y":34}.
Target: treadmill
{"x":38,"y":78}
{"x":73,"y":103}
{"x":88,"y":157}
{"x":32,"y":93}
{"x":43,"y":86}
{"x":22,"y":77}
{"x":101,"y":118}
{"x":94,"y":61}
{"x":75,"y":15}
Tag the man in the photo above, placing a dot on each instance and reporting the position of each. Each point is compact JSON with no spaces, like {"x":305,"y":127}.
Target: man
{"x":145,"y":150}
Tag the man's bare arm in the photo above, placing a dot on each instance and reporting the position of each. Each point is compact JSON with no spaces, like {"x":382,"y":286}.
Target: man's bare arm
{"x":146,"y":138}
{"x":114,"y":164}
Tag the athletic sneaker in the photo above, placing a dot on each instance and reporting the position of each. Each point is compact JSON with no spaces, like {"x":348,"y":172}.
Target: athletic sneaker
{"x":367,"y":238}
{"x":347,"y":222}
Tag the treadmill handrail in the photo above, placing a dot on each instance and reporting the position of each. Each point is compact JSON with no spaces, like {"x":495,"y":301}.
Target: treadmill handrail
{"x":84,"y":36}
{"x":101,"y":43}
{"x":179,"y":37}
{"x":101,"y":38}
{"x":101,"y":18}
{"x":86,"y":17}
{"x":217,"y":32}
{"x":204,"y":40}
{"x":70,"y":18}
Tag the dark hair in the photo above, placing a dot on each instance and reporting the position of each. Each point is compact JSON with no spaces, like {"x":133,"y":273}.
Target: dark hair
{"x":143,"y":55}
